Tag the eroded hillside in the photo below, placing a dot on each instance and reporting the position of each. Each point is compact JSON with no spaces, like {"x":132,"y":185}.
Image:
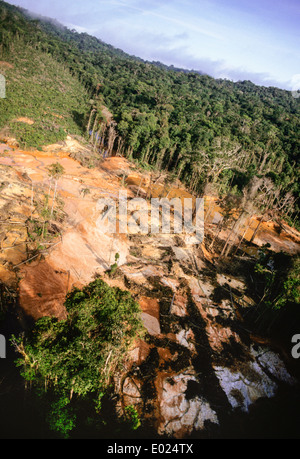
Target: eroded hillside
{"x":198,"y":362}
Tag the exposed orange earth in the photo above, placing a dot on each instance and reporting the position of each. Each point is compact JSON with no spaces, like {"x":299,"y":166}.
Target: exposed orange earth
{"x":82,"y":251}
{"x":152,"y":268}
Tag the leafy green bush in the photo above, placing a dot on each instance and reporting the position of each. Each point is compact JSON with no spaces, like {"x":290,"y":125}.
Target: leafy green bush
{"x":278,"y":275}
{"x":37,"y":135}
{"x":61,"y":418}
{"x":114,"y":266}
{"x":276,"y":286}
{"x":133,"y":417}
{"x":75,"y":358}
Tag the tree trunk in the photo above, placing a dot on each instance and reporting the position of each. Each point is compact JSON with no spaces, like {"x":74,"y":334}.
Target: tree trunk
{"x":170,"y":157}
{"x":94,"y":126}
{"x":219,"y":227}
{"x":120,"y":145}
{"x":54,"y":197}
{"x":235,"y":225}
{"x":111,"y":140}
{"x":229,"y":246}
{"x":242,"y":238}
{"x":257,"y":228}
{"x":178,"y":158}
{"x":90,"y":121}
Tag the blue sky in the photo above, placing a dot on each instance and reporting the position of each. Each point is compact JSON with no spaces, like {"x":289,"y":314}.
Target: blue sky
{"x":257,"y":40}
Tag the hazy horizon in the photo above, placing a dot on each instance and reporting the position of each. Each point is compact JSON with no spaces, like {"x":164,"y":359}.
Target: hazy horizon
{"x":237,"y":39}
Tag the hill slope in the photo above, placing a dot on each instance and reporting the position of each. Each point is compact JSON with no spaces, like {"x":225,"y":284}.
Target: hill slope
{"x":203,"y":131}
{"x":43,"y":100}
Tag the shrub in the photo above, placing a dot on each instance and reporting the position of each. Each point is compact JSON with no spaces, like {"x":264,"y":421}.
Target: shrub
{"x":76,"y":357}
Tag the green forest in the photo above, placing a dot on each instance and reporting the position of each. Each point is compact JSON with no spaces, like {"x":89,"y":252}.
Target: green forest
{"x":214,"y":135}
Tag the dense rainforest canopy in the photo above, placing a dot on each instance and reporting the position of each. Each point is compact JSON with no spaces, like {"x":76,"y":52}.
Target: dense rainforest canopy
{"x":204,"y":131}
